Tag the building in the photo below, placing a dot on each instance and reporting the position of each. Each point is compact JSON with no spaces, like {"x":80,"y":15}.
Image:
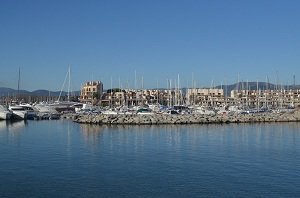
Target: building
{"x":266,"y":98}
{"x":91,"y":92}
{"x":205,"y":97}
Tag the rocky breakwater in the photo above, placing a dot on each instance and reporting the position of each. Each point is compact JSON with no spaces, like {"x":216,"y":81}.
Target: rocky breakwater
{"x":155,"y":119}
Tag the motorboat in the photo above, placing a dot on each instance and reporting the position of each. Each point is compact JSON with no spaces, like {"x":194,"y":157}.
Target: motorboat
{"x":18,"y":112}
{"x":23,"y":111}
{"x":31,"y":113}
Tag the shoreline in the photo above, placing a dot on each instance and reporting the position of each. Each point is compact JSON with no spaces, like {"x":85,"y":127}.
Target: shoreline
{"x":167,"y":119}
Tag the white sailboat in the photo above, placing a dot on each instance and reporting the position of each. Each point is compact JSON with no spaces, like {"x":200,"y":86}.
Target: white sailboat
{"x":63,"y":106}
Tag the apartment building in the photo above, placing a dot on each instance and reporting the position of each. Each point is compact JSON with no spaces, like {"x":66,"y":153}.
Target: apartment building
{"x":205,"y":96}
{"x":266,"y":98}
{"x":91,"y":91}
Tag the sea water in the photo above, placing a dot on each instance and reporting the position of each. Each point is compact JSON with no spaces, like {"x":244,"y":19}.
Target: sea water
{"x":66,"y":159}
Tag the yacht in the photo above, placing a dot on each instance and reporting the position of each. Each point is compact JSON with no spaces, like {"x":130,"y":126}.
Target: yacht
{"x":18,"y":112}
{"x":5,"y":114}
{"x":31,"y":113}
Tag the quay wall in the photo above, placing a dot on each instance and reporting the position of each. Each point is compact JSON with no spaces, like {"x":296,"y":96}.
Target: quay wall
{"x":157,"y":119}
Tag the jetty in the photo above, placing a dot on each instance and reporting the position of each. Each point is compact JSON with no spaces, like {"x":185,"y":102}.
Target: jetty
{"x":159,"y":119}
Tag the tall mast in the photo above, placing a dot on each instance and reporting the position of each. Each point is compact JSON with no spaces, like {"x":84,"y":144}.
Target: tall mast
{"x":247,"y":94}
{"x":193,"y":90}
{"x":111,"y":91}
{"x":64,"y":84}
{"x":118,"y":90}
{"x":294,"y":83}
{"x":168,"y":91}
{"x":175,"y":92}
{"x":69,"y":86}
{"x":157,"y":97}
{"x":142,"y":90}
{"x":257,"y":99}
{"x":135,"y":88}
{"x":178,"y":88}
{"x":267,"y":92}
{"x":225,"y":91}
{"x":19,"y":83}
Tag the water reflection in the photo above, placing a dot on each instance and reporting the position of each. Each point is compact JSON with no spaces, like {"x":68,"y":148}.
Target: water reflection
{"x":236,"y":136}
{"x":12,"y":126}
{"x":63,"y":157}
{"x":91,"y":133}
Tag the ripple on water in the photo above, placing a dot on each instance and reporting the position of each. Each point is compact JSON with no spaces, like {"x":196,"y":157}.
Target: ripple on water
{"x":61,"y":158}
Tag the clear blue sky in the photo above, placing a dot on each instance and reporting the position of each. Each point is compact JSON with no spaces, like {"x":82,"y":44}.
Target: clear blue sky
{"x":214,"y":39}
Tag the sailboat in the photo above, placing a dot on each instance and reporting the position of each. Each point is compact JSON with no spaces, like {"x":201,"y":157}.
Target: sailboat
{"x":21,"y":111}
{"x":65,"y":106}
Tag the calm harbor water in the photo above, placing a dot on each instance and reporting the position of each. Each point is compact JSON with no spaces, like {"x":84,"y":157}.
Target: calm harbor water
{"x":65,"y":159}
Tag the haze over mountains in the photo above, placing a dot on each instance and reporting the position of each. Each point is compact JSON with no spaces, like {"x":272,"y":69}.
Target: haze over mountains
{"x":4,"y":91}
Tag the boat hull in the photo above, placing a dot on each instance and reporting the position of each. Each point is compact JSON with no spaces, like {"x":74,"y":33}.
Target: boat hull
{"x":5,"y":115}
{"x":19,"y":115}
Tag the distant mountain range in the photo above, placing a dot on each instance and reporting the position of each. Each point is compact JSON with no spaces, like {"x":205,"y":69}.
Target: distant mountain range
{"x":4,"y":91}
{"x":254,"y":86}
{"x":227,"y":88}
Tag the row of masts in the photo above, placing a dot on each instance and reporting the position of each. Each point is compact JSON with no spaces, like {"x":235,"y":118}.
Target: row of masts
{"x":175,"y":95}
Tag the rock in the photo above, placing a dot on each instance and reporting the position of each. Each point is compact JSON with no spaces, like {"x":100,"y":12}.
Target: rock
{"x":184,"y":119}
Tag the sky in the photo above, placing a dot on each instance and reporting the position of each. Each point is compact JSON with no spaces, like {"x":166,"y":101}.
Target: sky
{"x":211,"y":41}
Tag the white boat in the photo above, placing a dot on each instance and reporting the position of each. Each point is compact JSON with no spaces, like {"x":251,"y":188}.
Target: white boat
{"x":5,"y":114}
{"x":109,"y":112}
{"x":80,"y":107}
{"x":45,"y":108}
{"x":64,"y":106}
{"x":18,"y":112}
{"x":203,"y":110}
{"x":155,"y":107}
{"x":31,"y":113}
{"x":57,"y":107}
{"x":126,"y":111}
{"x":237,"y":109}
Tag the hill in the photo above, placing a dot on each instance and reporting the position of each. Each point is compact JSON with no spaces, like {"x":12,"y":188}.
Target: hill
{"x":4,"y":91}
{"x":254,"y":86}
